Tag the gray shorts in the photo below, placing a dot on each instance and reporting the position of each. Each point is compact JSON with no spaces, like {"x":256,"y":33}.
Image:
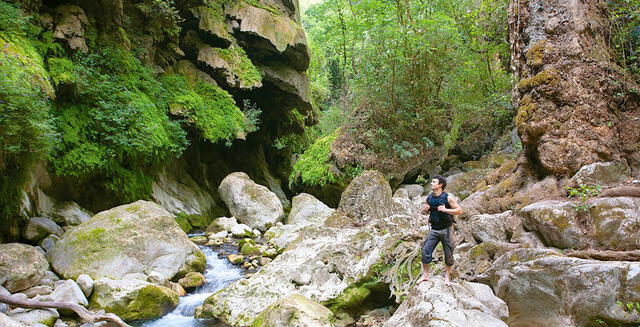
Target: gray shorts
{"x":435,"y":236}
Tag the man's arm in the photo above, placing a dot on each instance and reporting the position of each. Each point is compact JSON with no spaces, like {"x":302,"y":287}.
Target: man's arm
{"x":425,"y":208}
{"x":455,"y":208}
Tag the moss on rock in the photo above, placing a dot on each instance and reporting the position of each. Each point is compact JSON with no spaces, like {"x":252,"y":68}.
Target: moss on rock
{"x":132,"y":299}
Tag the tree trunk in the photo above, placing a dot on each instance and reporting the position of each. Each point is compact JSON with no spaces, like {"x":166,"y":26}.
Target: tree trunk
{"x":575,"y":105}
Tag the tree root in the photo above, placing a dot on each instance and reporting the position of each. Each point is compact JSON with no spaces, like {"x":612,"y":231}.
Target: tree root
{"x":606,"y":255}
{"x":81,"y":311}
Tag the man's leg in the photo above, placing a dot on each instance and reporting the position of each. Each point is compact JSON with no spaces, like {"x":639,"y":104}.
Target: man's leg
{"x":447,"y":246}
{"x":427,"y":252}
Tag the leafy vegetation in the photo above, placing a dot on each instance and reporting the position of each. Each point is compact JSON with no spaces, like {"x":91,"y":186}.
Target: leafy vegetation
{"x":26,"y":128}
{"x":584,"y":192}
{"x":110,"y":122}
{"x":314,"y":168}
{"x":624,"y":22}
{"x":115,"y":124}
{"x":403,"y":77}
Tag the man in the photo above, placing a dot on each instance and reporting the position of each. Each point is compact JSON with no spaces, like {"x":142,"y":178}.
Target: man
{"x":440,"y":207}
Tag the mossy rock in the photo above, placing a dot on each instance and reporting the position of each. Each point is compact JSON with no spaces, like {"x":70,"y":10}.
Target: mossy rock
{"x":183,"y":222}
{"x":192,"y":280}
{"x":200,"y":240}
{"x":235,"y":259}
{"x":294,"y":310}
{"x":21,"y":266}
{"x":132,"y":299}
{"x":249,"y":249}
{"x":127,"y":239}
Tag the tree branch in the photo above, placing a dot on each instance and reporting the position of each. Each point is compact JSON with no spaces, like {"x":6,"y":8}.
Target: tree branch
{"x":81,"y":311}
{"x":606,"y":255}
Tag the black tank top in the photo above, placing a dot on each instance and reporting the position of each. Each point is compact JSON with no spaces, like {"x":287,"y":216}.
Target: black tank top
{"x":438,"y":219}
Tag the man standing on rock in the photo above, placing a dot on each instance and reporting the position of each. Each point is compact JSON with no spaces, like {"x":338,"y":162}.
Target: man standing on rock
{"x":440,"y":207}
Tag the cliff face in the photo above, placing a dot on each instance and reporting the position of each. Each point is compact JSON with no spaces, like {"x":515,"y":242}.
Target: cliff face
{"x":575,"y":105}
{"x":160,"y":100}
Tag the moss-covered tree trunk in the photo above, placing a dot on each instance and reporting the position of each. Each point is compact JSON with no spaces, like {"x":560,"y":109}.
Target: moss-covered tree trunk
{"x":575,"y":105}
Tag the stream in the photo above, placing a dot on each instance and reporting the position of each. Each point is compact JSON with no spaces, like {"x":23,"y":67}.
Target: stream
{"x":218,"y":273}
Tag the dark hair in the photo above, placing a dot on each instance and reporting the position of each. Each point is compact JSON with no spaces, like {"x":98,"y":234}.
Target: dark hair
{"x":441,"y":180}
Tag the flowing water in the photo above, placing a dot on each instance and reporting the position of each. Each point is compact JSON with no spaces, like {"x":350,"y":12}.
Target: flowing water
{"x":219,"y":273}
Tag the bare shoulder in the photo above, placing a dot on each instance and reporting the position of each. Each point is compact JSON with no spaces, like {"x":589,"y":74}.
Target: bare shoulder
{"x":452,"y":201}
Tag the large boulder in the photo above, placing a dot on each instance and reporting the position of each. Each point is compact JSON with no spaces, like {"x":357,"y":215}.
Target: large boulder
{"x":295,"y":310}
{"x":616,"y":222}
{"x":413,"y":190}
{"x":132,"y":299}
{"x":367,"y":198}
{"x":250,"y":203}
{"x":556,"y":221}
{"x":433,"y":303}
{"x":546,"y":288}
{"x":305,"y":208}
{"x":320,"y":265}
{"x":21,"y":266}
{"x":132,"y":238}
{"x":39,"y":227}
{"x":282,"y":236}
{"x":466,"y":183}
{"x":610,"y":223}
{"x":485,"y":228}
{"x":602,"y":173}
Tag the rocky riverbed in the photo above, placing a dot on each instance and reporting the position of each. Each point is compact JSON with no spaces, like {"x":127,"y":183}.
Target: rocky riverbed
{"x":355,"y":265}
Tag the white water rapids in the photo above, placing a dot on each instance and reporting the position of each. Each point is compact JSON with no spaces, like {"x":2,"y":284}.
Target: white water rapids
{"x":219,"y":273}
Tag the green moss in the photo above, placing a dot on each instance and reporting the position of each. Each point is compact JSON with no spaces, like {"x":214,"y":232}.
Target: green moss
{"x":192,"y":279}
{"x":526,"y":110}
{"x":485,"y":249}
{"x":258,"y":4}
{"x":240,"y":65}
{"x":250,"y":249}
{"x":545,"y":77}
{"x":184,"y":223}
{"x":295,"y":118}
{"x":26,"y":125}
{"x":195,"y":220}
{"x":536,"y":52}
{"x":150,"y":302}
{"x":313,"y":167}
{"x":211,"y":109}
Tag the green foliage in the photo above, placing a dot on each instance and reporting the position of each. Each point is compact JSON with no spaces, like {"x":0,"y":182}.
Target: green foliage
{"x":61,"y":71}
{"x":116,"y":124}
{"x":25,"y":121}
{"x":313,"y":166}
{"x":410,"y":74}
{"x":584,"y":192}
{"x":26,"y":127}
{"x":162,"y":19}
{"x":251,"y":116}
{"x":12,"y":20}
{"x":624,"y":23}
{"x":212,"y":109}
{"x":240,"y":64}
{"x":629,"y":306}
